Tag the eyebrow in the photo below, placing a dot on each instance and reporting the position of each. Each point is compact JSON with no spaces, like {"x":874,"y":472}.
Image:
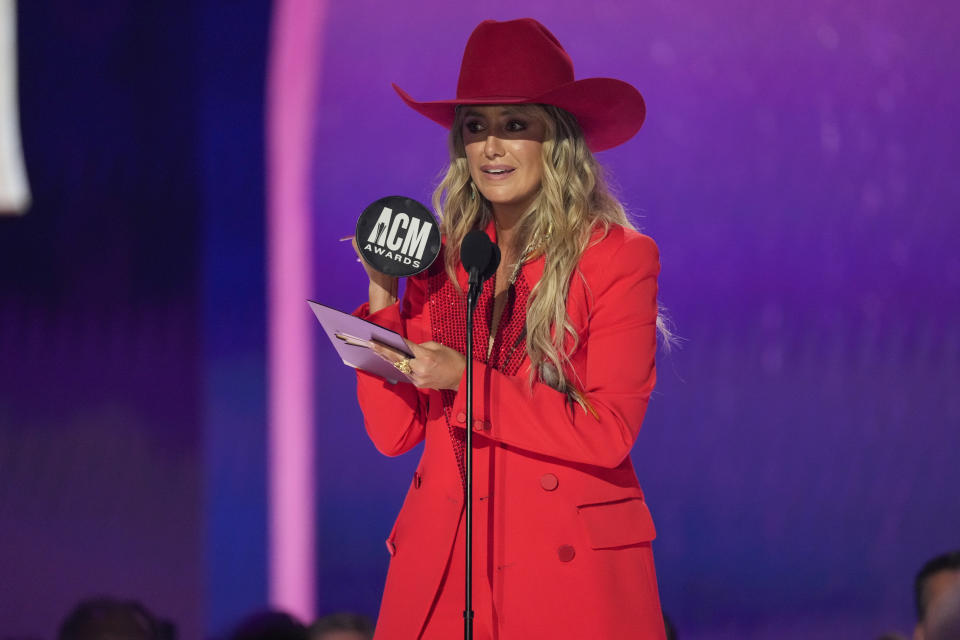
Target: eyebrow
{"x":506,"y":111}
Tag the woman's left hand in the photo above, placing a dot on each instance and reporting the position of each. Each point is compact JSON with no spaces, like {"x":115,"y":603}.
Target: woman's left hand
{"x":434,"y":366}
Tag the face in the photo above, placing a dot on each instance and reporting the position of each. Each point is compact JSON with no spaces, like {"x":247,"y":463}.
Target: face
{"x":503,"y":146}
{"x":936,"y":590}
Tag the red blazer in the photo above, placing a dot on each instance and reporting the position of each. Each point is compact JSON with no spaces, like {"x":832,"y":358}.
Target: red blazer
{"x":560,"y":523}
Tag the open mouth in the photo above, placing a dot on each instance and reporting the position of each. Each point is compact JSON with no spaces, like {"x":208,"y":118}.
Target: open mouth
{"x":497,"y":172}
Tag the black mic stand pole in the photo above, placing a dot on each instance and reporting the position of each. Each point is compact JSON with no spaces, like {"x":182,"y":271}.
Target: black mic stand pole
{"x":472,"y":294}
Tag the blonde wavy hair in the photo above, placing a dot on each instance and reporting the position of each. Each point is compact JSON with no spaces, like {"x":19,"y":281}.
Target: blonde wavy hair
{"x":573,"y":200}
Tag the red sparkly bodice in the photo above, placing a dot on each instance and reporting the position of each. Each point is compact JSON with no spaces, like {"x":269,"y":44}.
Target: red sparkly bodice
{"x":449,"y":327}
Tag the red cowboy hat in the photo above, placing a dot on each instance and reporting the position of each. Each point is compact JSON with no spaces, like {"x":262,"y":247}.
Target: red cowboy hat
{"x":521,"y":62}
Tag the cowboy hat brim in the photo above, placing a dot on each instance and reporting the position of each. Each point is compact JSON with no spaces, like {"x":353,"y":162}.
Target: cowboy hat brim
{"x":609,"y":111}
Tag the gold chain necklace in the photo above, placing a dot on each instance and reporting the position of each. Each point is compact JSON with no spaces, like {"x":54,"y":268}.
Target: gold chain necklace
{"x":532,"y":248}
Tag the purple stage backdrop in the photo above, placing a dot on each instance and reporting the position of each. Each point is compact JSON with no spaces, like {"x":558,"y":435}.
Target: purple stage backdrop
{"x":799,"y":169}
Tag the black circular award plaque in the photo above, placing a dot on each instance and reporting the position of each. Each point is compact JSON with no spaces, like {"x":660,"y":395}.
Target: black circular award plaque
{"x":398,"y":236}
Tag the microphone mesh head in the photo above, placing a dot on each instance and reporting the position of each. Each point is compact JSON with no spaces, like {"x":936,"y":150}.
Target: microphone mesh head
{"x":475,"y":250}
{"x":479,"y":255}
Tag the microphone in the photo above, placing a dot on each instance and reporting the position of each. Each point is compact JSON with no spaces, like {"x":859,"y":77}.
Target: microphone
{"x":479,"y":256}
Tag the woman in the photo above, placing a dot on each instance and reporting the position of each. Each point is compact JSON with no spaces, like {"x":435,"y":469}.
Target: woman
{"x":565,"y":334}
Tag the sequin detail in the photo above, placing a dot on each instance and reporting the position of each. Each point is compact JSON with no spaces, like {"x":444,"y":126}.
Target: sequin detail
{"x":449,"y":327}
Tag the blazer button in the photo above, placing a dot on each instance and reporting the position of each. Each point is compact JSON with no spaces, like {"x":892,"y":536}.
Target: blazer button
{"x":480,"y":425}
{"x":549,"y":482}
{"x":417,"y":480}
{"x":461,"y":417}
{"x":566,"y":552}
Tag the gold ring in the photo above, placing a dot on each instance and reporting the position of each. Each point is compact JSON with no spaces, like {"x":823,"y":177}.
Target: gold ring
{"x":403,"y":366}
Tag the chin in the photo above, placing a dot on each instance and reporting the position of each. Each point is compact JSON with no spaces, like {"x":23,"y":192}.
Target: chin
{"x":508,"y":199}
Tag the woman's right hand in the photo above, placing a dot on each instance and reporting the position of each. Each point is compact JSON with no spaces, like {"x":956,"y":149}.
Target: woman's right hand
{"x":382,"y":291}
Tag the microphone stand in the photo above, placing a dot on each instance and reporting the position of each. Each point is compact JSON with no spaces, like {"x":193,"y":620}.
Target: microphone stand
{"x":472,"y":295}
{"x":480,"y":258}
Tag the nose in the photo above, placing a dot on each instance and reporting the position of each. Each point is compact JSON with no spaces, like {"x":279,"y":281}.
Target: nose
{"x":492,"y":147}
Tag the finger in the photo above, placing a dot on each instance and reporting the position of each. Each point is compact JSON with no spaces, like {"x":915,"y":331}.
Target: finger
{"x":387,"y":352}
{"x":417,"y":381}
{"x":414,"y":378}
{"x":415,"y":349}
{"x":383,"y":356}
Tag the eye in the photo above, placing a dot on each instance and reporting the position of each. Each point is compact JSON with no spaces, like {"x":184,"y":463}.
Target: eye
{"x":473,"y":126}
{"x":516,"y":125}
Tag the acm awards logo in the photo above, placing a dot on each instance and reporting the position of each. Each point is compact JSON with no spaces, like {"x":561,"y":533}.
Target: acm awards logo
{"x":406,"y":247}
{"x":398,"y":236}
